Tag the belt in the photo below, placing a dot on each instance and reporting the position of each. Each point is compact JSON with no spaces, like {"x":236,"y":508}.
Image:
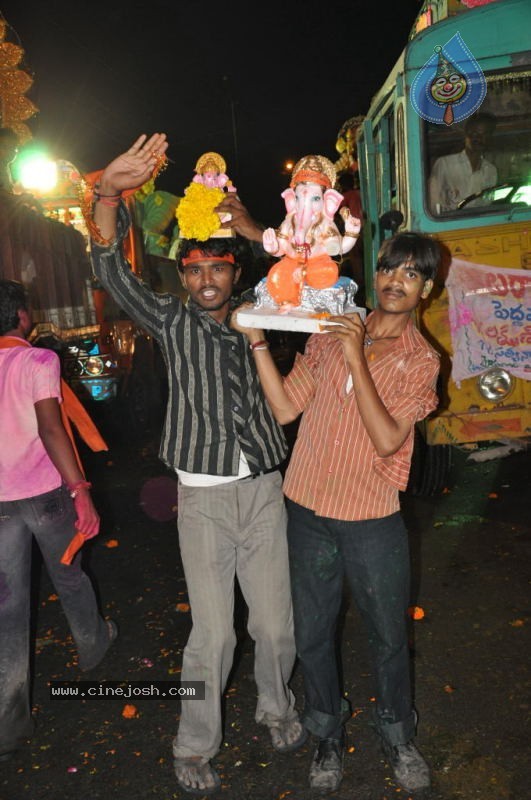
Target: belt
{"x":254,"y":475}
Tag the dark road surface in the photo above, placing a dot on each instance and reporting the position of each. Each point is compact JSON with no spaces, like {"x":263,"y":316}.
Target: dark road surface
{"x":471,"y":653}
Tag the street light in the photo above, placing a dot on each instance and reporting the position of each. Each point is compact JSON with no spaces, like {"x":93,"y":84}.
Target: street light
{"x":287,"y":167}
{"x":37,"y":172}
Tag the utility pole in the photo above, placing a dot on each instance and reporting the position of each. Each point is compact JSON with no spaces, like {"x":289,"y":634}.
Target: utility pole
{"x":232,"y":105}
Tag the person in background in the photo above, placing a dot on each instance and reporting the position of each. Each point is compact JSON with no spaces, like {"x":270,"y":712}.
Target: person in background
{"x":351,"y":194}
{"x":43,"y":494}
{"x":460,"y":175}
{"x":226,"y":447}
{"x":360,"y":388}
{"x":8,"y":153}
{"x":352,"y":263}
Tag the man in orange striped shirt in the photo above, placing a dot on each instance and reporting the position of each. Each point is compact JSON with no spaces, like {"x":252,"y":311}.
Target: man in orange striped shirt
{"x":361,"y":389}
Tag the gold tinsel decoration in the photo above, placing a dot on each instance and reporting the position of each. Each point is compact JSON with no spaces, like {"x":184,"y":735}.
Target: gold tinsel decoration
{"x":15,"y":108}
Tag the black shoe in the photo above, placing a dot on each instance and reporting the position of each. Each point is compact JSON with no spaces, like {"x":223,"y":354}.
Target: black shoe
{"x":326,"y":772}
{"x":112,"y":629}
{"x":411,"y":771}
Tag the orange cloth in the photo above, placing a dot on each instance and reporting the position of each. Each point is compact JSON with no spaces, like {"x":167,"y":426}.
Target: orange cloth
{"x":72,"y":410}
{"x":92,"y":178}
{"x":285,"y":287}
{"x":76,"y":543}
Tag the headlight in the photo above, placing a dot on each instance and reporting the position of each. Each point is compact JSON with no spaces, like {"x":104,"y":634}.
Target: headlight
{"x":495,"y":384}
{"x":94,"y":365}
{"x":73,"y":368}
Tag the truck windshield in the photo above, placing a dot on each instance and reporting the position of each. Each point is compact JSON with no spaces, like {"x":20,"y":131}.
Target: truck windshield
{"x":483,"y":164}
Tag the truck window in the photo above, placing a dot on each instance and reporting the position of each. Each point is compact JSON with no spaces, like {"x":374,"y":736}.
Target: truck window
{"x":483,"y":164}
{"x":401,"y":163}
{"x":385,"y":163}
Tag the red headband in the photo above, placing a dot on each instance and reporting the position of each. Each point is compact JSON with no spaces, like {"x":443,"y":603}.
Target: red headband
{"x":198,"y":255}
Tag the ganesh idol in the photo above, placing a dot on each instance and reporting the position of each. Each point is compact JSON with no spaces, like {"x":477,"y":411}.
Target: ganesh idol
{"x":308,"y":236}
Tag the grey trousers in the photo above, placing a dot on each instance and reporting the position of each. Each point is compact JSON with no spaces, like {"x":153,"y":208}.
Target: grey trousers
{"x":238,"y":528}
{"x":50,"y":518}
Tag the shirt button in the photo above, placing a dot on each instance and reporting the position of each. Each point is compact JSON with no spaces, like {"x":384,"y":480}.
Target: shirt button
{"x":336,"y":442}
{"x":233,"y":347}
{"x":330,"y":470}
{"x":235,"y":408}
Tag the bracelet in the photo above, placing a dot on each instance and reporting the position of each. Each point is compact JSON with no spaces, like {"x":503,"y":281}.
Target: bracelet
{"x":75,"y":489}
{"x":261,"y":345}
{"x":86,"y":197}
{"x":97,"y":192}
{"x":106,"y":201}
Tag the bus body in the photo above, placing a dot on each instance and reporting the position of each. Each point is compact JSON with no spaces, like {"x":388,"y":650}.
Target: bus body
{"x":396,"y":151}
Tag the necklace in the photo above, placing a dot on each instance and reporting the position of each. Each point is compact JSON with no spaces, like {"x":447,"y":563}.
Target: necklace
{"x":368,"y":340}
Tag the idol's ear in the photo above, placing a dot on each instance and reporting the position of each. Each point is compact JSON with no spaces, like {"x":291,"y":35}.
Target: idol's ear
{"x":288,"y":195}
{"x":331,"y":201}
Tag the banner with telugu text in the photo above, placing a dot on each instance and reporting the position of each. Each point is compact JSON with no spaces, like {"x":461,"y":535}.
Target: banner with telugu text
{"x":490,"y":319}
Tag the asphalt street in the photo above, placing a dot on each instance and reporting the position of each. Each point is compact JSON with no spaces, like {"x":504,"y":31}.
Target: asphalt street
{"x":470,"y":652}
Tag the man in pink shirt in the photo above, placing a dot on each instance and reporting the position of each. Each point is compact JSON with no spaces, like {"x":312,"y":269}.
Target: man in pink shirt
{"x":43,"y":493}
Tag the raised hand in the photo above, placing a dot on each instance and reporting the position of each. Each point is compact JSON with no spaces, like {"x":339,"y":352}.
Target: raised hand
{"x":135,"y":166}
{"x":352,"y":224}
{"x":270,"y":241}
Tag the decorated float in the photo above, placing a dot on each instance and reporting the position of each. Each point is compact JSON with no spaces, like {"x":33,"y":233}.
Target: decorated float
{"x":44,"y":245}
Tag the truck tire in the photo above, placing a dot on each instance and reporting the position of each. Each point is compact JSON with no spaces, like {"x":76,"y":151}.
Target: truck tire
{"x":430,"y":467}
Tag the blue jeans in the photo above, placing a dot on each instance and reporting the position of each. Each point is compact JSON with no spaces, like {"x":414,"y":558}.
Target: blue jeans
{"x":374,"y":557}
{"x":50,"y":518}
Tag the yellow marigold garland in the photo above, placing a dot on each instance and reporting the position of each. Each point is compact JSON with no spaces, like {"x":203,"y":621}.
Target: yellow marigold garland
{"x":195,"y":213}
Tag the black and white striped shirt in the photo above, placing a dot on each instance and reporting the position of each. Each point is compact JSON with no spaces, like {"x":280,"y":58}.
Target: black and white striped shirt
{"x":216,"y":405}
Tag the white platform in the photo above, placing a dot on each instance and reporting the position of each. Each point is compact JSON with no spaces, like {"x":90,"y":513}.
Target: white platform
{"x":304,"y":321}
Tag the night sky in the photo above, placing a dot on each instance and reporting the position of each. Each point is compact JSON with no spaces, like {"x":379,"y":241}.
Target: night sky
{"x":257,"y":82}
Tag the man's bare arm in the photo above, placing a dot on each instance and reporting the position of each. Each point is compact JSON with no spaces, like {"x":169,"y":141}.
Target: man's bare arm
{"x":61,"y":452}
{"x":272,"y":383}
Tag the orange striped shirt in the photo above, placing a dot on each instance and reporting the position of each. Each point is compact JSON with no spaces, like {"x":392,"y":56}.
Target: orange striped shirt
{"x":334,"y":469}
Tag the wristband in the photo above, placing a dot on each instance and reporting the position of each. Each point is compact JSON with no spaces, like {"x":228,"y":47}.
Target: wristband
{"x":76,"y":488}
{"x":106,"y":201}
{"x":261,"y":345}
{"x":99,"y":194}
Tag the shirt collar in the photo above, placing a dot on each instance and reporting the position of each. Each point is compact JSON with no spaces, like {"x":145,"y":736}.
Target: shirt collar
{"x":13,"y":341}
{"x":407,"y":339}
{"x":205,"y":317}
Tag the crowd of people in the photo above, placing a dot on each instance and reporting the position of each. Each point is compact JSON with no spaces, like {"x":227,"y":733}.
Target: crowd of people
{"x":360,"y":387}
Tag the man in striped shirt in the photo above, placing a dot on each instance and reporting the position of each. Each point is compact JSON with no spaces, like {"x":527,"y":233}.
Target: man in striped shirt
{"x":361,"y":388}
{"x":222,"y":439}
